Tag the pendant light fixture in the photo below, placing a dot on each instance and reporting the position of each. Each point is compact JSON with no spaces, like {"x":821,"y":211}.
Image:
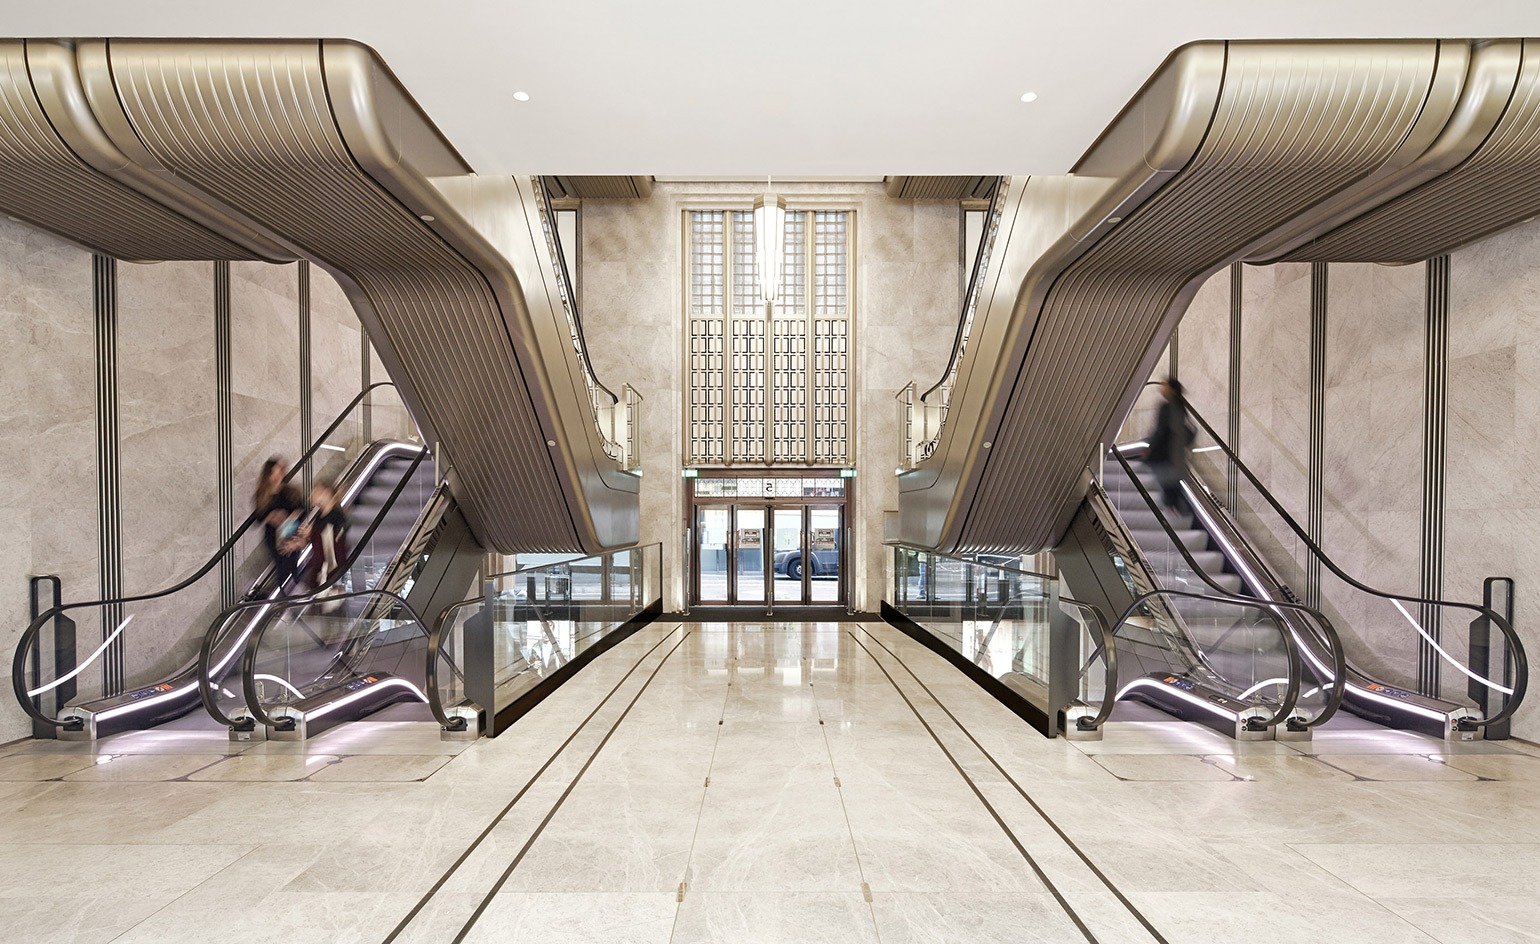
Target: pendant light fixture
{"x":769,"y":241}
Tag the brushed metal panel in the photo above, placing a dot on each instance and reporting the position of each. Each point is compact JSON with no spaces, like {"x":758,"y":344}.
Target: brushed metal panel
{"x":604,"y":188}
{"x":44,"y":182}
{"x":1496,"y":187}
{"x":316,"y":143}
{"x":1222,"y":154}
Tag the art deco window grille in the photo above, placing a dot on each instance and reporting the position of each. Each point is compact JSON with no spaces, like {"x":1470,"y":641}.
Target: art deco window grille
{"x":782,"y":395}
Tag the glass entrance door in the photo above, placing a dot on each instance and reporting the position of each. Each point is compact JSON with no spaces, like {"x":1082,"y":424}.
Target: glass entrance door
{"x":769,"y":541}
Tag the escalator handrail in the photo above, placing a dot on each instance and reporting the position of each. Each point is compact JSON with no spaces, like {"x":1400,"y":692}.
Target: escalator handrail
{"x":568,"y":296}
{"x":963,"y":322}
{"x":1515,"y":647}
{"x":1329,"y":631}
{"x":1291,"y":697}
{"x":29,"y":636}
{"x":248,"y":666}
{"x":206,"y":651}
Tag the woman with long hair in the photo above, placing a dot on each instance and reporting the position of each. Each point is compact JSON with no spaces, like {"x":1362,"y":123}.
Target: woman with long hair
{"x":280,"y":506}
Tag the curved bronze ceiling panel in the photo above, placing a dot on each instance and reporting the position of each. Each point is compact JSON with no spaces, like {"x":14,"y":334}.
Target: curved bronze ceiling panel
{"x":46,"y":183}
{"x":1496,"y":187}
{"x":253,"y":124}
{"x":1295,"y":129}
{"x":286,"y":149}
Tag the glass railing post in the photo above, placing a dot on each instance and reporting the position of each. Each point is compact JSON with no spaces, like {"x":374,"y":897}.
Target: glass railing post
{"x":478,"y":660}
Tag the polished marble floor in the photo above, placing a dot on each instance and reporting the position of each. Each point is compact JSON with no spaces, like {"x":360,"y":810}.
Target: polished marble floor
{"x":769,"y":783}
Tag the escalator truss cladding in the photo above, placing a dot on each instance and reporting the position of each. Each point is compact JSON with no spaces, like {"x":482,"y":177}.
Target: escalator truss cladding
{"x":1383,"y":151}
{"x":278,"y":150}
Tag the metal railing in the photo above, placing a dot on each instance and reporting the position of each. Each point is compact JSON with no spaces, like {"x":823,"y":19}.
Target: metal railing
{"x":615,"y":417}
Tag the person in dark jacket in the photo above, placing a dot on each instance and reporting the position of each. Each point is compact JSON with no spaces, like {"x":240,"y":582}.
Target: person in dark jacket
{"x":1170,"y":442}
{"x":280,"y":506}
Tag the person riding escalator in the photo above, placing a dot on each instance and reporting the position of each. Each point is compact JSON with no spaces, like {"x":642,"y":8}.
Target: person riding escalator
{"x":1170,"y":446}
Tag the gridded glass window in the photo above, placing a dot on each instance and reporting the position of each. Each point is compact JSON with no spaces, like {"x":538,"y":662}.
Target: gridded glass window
{"x":793,"y":297}
{"x":768,"y":386}
{"x":708,"y":272}
{"x":745,"y":266}
{"x":831,"y":265}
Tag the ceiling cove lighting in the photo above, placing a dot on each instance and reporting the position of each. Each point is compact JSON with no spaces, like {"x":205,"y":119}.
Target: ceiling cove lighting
{"x":769,"y":241}
{"x":1029,"y":96}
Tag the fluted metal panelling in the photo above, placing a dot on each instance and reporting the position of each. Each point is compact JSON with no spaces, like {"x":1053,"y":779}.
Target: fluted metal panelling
{"x":253,"y":124}
{"x":1292,"y":126}
{"x":1496,"y":187}
{"x":603,"y":188}
{"x":938,"y":188}
{"x":45,"y":183}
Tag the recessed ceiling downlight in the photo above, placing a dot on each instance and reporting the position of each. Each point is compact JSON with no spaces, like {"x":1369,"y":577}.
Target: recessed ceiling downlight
{"x":521,"y":96}
{"x":1029,"y":96}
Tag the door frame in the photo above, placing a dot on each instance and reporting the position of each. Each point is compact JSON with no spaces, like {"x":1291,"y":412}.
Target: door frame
{"x":695,"y":504}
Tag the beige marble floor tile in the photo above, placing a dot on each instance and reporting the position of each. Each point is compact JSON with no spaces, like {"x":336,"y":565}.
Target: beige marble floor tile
{"x":962,"y":918}
{"x":1412,"y":870}
{"x":789,"y":836}
{"x":366,"y":767}
{"x":576,"y":918}
{"x":42,"y":766}
{"x":656,"y":753}
{"x":1471,"y":919}
{"x":117,"y":870}
{"x":1388,"y":741}
{"x":294,"y":918}
{"x":757,"y":751}
{"x":1281,"y":767}
{"x":1497,"y":766}
{"x":73,"y":812}
{"x":71,"y":918}
{"x":121,"y":767}
{"x":1162,"y":767}
{"x":1396,"y":767}
{"x":613,"y":837}
{"x":1276,"y":918}
{"x":774,"y":918}
{"x":265,"y":767}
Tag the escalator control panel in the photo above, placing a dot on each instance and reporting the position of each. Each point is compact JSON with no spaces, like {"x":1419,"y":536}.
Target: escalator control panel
{"x":1379,"y":689}
{"x":152,"y":690}
{"x":1178,"y":682}
{"x":356,"y":684}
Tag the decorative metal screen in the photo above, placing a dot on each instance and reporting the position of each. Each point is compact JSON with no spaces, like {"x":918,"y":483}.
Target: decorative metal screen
{"x":782,"y":393}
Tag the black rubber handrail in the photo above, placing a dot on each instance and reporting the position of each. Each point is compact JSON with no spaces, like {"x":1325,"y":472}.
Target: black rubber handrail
{"x":205,"y":652}
{"x":248,"y":663}
{"x":963,"y":323}
{"x":1515,"y":647}
{"x":1291,"y":696}
{"x":29,"y":637}
{"x":1333,"y":641}
{"x":436,"y":636}
{"x":569,"y":293}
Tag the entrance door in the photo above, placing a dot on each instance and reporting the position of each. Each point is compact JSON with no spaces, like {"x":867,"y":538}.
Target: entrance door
{"x":769,"y":541}
{"x":809,"y":559}
{"x":731,"y":555}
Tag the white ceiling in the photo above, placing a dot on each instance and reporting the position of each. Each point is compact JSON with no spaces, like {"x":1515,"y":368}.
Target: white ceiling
{"x":815,"y":88}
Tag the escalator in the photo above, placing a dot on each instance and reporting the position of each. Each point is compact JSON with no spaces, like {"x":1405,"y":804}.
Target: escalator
{"x":1239,"y":536}
{"x":1190,"y":647}
{"x":145,"y":671}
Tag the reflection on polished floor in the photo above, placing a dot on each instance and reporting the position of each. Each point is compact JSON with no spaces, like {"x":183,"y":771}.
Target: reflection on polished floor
{"x":768,"y":783}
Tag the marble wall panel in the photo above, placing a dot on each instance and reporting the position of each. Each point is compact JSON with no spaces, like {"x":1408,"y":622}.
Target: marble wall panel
{"x":48,"y":520}
{"x":1203,"y":351}
{"x":336,"y":368}
{"x":907,"y":304}
{"x":264,"y":332}
{"x":168,"y":446}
